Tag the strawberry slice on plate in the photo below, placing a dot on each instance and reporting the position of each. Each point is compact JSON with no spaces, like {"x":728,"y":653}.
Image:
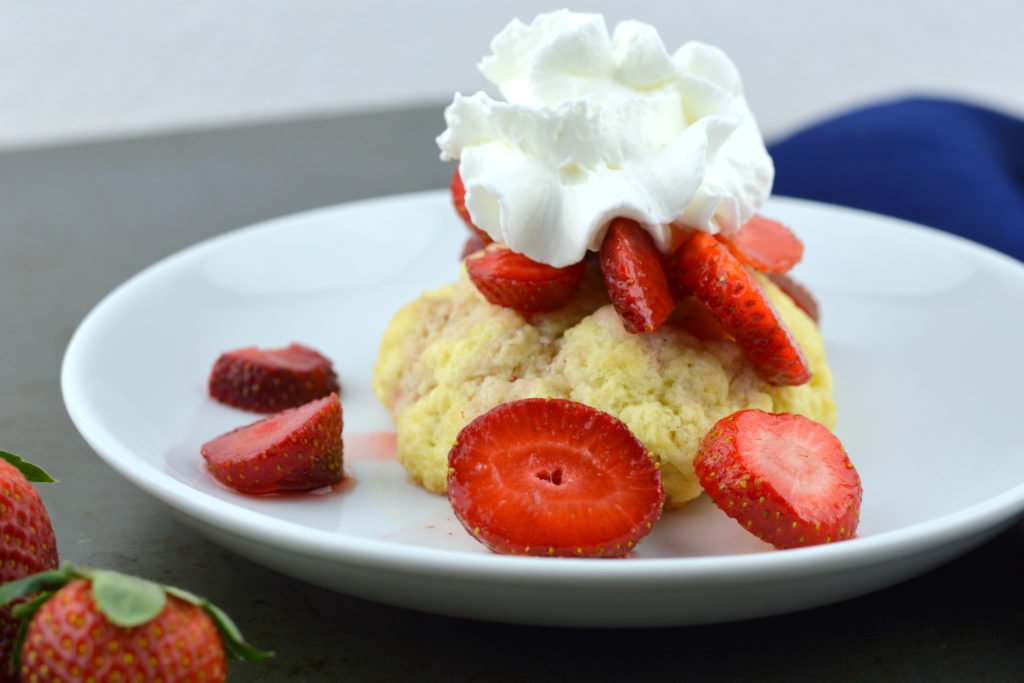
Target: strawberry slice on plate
{"x":553,"y":477}
{"x":458,"y":190}
{"x":268,"y":380}
{"x":705,"y":267}
{"x":507,"y":278}
{"x":783,"y":477}
{"x":298,"y":449}
{"x":635,"y":276}
{"x":765,"y":245}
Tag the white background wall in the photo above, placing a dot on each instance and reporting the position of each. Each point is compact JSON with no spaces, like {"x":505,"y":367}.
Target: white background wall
{"x":105,"y":68}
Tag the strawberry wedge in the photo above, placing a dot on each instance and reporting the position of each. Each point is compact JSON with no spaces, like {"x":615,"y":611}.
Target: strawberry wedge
{"x":635,"y":277}
{"x":299,"y":449}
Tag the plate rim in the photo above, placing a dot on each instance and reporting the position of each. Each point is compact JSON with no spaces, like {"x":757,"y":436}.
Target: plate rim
{"x":339,"y":546}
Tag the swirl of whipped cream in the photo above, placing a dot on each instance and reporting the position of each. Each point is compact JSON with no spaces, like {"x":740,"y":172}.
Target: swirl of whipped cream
{"x":596,"y":126}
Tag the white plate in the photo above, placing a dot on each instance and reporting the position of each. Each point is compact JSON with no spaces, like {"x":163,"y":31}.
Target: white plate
{"x":924,"y":333}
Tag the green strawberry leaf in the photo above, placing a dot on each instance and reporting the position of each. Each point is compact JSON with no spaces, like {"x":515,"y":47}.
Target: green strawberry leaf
{"x":49,"y":580}
{"x":185,"y":595}
{"x":32,"y":472}
{"x":234,"y":644}
{"x":127,"y":600}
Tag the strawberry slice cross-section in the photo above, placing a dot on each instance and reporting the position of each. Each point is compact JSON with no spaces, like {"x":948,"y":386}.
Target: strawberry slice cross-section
{"x":705,"y":267}
{"x":635,"y":277}
{"x":553,"y":477}
{"x":765,"y":245}
{"x":783,"y":477}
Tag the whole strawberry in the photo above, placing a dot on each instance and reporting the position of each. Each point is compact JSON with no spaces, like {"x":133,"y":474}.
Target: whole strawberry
{"x":101,"y":625}
{"x":27,"y":544}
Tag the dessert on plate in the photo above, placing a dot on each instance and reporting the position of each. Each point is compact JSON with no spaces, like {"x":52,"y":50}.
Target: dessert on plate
{"x":620,"y":260}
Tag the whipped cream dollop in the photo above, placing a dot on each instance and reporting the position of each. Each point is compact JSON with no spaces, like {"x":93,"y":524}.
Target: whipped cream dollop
{"x":597,"y":125}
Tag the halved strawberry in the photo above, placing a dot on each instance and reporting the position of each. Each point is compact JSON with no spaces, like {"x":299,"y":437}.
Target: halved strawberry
{"x":507,"y":278}
{"x":459,"y":200}
{"x":800,"y":295}
{"x":295,"y":450}
{"x":765,"y":245}
{"x":553,"y":477}
{"x":705,"y":267}
{"x":268,"y":380}
{"x":785,"y":478}
{"x":635,"y":276}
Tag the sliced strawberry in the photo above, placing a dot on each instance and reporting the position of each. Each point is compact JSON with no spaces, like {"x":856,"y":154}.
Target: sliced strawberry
{"x":635,"y":276}
{"x":553,"y":477}
{"x":509,"y":279}
{"x":268,"y":380}
{"x":765,"y":245}
{"x":474,"y":243}
{"x":785,"y":478}
{"x":459,"y":200}
{"x":800,"y":295}
{"x":705,"y":267}
{"x":298,"y":449}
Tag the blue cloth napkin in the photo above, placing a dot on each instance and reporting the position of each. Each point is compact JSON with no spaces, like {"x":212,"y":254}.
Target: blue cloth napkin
{"x":946,"y":164}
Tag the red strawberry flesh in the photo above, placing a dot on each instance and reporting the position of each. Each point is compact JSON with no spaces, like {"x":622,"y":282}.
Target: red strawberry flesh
{"x":635,"y":276}
{"x":784,"y":477}
{"x":269,"y":380}
{"x":472,"y":245}
{"x":458,"y":190}
{"x":766,"y":245}
{"x":296,"y":449}
{"x":507,"y":278}
{"x":719,"y":281}
{"x":553,"y":477}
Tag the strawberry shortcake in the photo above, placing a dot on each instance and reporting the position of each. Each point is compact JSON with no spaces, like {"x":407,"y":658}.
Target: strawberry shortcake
{"x":617,"y":258}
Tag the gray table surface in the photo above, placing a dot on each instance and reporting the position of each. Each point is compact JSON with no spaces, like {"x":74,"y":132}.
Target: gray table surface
{"x":75,"y":221}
